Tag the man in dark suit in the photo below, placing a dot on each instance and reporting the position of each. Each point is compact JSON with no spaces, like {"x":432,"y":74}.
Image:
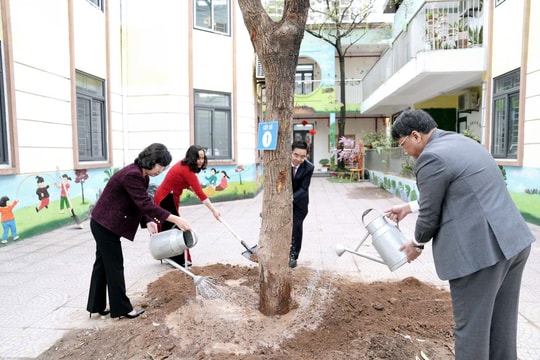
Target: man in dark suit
{"x":480,"y":240}
{"x":301,"y":172}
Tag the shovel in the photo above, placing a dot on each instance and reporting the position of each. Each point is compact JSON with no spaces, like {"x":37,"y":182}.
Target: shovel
{"x":73,"y":216}
{"x":250,"y":253}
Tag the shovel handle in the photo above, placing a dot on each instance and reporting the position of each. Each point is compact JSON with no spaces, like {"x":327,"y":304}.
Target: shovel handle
{"x":230,"y":229}
{"x":235,"y":234}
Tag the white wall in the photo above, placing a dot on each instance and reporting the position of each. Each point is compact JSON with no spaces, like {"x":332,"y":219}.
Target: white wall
{"x":507,"y":39}
{"x":532,"y":100}
{"x":42,"y":76}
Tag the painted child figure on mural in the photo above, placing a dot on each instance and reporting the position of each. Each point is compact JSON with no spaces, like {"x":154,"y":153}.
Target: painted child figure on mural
{"x":223,"y":183}
{"x":212,"y":179}
{"x":8,"y":219}
{"x":43,"y":194}
{"x":64,"y":193}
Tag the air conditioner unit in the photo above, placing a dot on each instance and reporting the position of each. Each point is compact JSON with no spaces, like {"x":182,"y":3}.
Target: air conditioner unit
{"x":259,"y":72}
{"x":468,"y":102}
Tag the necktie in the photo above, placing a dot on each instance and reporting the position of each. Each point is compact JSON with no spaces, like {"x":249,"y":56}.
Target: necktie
{"x":294,"y":171}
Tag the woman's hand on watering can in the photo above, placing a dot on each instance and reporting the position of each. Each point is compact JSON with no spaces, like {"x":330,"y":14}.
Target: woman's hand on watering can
{"x":180,"y":222}
{"x":152,"y":228}
{"x":183,"y":224}
{"x":411,"y":250}
{"x":398,"y":212}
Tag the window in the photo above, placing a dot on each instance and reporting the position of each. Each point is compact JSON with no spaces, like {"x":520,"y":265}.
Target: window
{"x":212,"y":15}
{"x":91,"y":122}
{"x":304,"y":79}
{"x":213,"y":124}
{"x":98,"y":3}
{"x":4,"y":149}
{"x":506,"y":115}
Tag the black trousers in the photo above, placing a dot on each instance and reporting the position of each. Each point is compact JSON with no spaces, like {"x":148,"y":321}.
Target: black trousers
{"x":297,"y":232}
{"x":108,"y":274}
{"x":168,"y":204}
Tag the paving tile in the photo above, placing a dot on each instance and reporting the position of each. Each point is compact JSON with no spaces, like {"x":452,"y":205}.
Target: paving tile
{"x":44,"y":279}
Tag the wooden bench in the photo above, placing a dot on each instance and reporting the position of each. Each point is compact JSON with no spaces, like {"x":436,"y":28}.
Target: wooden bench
{"x":358,"y":173}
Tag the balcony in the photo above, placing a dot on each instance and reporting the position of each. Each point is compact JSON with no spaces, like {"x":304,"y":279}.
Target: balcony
{"x":439,"y":52}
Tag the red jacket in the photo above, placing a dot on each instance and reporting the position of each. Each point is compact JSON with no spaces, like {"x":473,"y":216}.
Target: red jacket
{"x":178,"y":178}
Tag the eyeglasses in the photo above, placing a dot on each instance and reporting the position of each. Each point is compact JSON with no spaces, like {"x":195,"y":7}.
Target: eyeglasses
{"x":403,"y":141}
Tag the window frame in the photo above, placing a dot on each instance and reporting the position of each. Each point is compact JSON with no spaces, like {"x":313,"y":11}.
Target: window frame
{"x":212,"y":17}
{"x":214,"y":134}
{"x":505,"y":130}
{"x":303,"y":85}
{"x":100,"y":4}
{"x":93,"y":99}
{"x":4,"y":123}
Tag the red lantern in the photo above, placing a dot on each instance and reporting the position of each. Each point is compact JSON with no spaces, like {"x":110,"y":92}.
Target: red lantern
{"x":312,"y":131}
{"x":304,"y":123}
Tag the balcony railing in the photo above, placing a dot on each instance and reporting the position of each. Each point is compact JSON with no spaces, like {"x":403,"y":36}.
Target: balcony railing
{"x":436,"y":26}
{"x":391,"y":161}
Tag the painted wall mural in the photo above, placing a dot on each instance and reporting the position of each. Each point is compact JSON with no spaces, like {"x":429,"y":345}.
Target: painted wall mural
{"x":32,"y":204}
{"x":524,"y":188}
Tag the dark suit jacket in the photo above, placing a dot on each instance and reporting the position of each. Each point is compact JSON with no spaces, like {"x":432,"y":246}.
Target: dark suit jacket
{"x":125,"y":203}
{"x":465,"y":207}
{"x":300,"y":184}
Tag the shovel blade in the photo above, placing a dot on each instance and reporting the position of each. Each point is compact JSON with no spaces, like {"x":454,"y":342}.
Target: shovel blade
{"x":76,"y":219}
{"x":251,"y":254}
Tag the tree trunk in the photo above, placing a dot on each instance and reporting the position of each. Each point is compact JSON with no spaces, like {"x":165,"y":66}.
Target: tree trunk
{"x":277,"y":44}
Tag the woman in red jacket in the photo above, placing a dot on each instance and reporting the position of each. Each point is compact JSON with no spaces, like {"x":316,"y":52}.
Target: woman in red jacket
{"x":182,"y":176}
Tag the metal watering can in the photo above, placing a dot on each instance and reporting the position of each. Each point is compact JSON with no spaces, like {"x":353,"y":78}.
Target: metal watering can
{"x":387,"y":239}
{"x":171,"y":242}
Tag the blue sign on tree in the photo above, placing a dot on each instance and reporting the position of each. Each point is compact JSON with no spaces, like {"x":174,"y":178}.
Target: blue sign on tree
{"x":267,"y":139}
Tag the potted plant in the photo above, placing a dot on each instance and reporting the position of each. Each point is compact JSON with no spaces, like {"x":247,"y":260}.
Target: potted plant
{"x":476,"y":35}
{"x":325,"y":163}
{"x":347,"y":151}
{"x":373,"y":140}
{"x":462,"y":36}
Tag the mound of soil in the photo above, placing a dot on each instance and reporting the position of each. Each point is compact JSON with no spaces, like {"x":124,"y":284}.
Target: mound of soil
{"x":333,"y":318}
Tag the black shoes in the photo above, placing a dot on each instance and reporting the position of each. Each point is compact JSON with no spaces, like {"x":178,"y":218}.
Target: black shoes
{"x":292,"y":263}
{"x":130,"y":315}
{"x":102,"y":313}
{"x":133,"y":314}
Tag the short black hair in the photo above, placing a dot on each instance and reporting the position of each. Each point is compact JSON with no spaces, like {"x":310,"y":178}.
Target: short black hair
{"x":412,"y":120}
{"x":299,"y":145}
{"x":153,"y":154}
{"x":3,"y":201}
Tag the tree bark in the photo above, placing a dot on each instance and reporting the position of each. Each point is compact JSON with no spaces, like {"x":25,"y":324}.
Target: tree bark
{"x":277,"y":45}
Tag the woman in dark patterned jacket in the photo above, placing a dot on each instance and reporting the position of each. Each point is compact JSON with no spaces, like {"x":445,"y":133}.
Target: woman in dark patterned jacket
{"x":121,"y":208}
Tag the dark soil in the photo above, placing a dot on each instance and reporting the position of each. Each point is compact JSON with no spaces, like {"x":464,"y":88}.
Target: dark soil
{"x":334,"y":318}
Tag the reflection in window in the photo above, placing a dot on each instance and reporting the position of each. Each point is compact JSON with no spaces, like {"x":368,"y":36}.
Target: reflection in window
{"x":506,"y":115}
{"x":91,"y":123}
{"x":213,"y":124}
{"x":212,"y":15}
